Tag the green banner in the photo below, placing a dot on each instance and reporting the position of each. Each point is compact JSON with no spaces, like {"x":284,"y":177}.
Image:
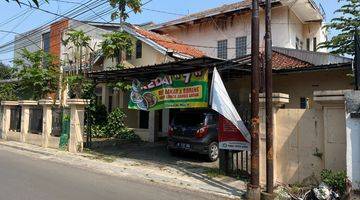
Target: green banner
{"x":188,"y":90}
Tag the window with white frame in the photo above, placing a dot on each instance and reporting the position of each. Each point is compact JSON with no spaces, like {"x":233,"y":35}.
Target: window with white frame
{"x":222,"y":49}
{"x":46,"y":42}
{"x":241,"y":46}
{"x":314,"y":44}
{"x":138,"y":49}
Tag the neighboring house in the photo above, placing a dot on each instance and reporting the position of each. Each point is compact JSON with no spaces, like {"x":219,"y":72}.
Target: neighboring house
{"x":150,"y":49}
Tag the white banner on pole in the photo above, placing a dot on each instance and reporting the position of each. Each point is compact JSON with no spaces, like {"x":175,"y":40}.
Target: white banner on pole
{"x":221,"y":102}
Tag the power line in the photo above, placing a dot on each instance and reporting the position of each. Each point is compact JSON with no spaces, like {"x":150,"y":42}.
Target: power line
{"x":104,"y":23}
{"x":164,"y":12}
{"x":44,"y":27}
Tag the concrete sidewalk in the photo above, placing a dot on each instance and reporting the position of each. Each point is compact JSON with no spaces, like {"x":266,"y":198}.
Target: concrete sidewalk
{"x":132,"y":168}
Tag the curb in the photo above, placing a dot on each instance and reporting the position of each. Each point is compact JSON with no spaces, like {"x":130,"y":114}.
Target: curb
{"x":25,"y":149}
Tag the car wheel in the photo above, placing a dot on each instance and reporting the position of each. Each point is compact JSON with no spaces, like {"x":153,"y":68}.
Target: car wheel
{"x":213,"y":154}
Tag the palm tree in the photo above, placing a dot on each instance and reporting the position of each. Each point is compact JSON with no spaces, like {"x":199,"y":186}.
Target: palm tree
{"x":36,"y":2}
{"x":80,"y":40}
{"x":134,"y":5}
{"x":115,"y":43}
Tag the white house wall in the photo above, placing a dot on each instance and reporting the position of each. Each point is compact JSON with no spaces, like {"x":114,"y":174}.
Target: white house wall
{"x":31,"y":41}
{"x":286,"y":26}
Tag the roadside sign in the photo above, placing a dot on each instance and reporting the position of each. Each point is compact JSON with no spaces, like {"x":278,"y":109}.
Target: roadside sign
{"x":189,"y":90}
{"x":230,"y":138}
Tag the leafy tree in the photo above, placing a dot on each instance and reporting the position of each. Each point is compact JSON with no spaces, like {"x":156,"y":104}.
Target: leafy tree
{"x":346,"y":24}
{"x":37,"y":73}
{"x":5,"y":71}
{"x":121,"y":5}
{"x":79,"y":40}
{"x":36,"y":2}
{"x":116,"y":42}
{"x":80,"y":87}
{"x":8,"y":92}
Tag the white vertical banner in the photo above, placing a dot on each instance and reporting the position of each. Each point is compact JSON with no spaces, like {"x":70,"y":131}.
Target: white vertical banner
{"x":221,"y":102}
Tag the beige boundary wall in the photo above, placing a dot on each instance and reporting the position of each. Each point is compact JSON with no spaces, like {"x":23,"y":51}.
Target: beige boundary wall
{"x":306,"y":141}
{"x":77,"y":108}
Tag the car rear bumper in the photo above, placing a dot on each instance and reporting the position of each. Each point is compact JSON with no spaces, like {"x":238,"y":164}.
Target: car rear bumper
{"x":188,"y":146}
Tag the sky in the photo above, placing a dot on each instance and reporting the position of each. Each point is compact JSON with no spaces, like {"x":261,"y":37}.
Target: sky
{"x":21,"y":19}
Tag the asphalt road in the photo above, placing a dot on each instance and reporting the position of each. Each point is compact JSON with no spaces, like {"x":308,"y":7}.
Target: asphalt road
{"x":26,"y":178}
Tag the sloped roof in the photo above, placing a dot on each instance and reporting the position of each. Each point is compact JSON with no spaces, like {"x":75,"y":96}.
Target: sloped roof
{"x":163,"y":43}
{"x":315,"y":58}
{"x":283,"y":61}
{"x":208,"y":13}
{"x":168,"y":42}
{"x":244,"y":5}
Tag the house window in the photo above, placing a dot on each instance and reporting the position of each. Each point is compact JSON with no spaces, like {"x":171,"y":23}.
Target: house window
{"x":46,"y":42}
{"x":304,"y":103}
{"x":241,"y":46}
{"x":308,"y":44}
{"x":222,"y":49}
{"x":297,"y":43}
{"x":314,"y":44}
{"x":138,"y":49}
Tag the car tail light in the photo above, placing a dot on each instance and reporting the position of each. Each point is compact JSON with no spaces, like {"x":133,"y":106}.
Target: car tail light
{"x":202,"y":132}
{"x":171,"y":131}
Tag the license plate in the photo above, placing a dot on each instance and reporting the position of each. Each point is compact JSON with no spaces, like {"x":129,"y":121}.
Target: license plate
{"x":183,"y":145}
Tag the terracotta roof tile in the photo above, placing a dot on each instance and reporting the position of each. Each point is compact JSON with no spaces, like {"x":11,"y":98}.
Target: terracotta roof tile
{"x":169,"y":43}
{"x":282,"y":61}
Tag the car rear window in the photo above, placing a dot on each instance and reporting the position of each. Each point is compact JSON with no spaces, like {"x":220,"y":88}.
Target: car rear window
{"x":189,"y":119}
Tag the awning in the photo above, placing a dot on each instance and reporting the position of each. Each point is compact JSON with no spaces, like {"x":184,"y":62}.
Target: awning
{"x":176,"y":67}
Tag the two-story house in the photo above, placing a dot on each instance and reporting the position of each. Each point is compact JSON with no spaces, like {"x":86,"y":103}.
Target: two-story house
{"x":297,"y":29}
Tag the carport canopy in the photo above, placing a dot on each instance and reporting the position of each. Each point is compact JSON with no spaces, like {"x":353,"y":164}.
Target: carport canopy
{"x":176,"y":67}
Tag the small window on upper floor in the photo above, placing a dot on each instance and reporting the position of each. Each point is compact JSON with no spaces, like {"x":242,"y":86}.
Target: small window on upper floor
{"x":45,"y":37}
{"x":222,"y":49}
{"x":304,"y":103}
{"x":138,"y":49}
{"x":241,"y":46}
{"x":308,"y":44}
{"x":314,"y":44}
{"x":297,"y":43}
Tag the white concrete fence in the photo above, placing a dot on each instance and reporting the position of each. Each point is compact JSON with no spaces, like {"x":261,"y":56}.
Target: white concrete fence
{"x":44,"y":139}
{"x":324,"y":136}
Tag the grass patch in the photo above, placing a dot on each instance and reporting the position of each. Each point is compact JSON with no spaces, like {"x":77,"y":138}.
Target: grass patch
{"x":99,"y":156}
{"x":212,"y":172}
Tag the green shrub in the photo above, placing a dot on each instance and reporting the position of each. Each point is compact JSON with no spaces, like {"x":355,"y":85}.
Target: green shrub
{"x":98,"y":131}
{"x":80,"y":87}
{"x":336,"y":180}
{"x":129,"y":135}
{"x":115,"y":126}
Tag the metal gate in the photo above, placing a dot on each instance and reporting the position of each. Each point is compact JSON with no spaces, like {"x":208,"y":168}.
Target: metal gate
{"x":56,"y":122}
{"x":15,"y":119}
{"x":36,"y":120}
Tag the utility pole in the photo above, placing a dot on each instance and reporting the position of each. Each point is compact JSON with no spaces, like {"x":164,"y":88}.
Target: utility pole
{"x":357,"y":61}
{"x":269,"y":103}
{"x":253,"y":187}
